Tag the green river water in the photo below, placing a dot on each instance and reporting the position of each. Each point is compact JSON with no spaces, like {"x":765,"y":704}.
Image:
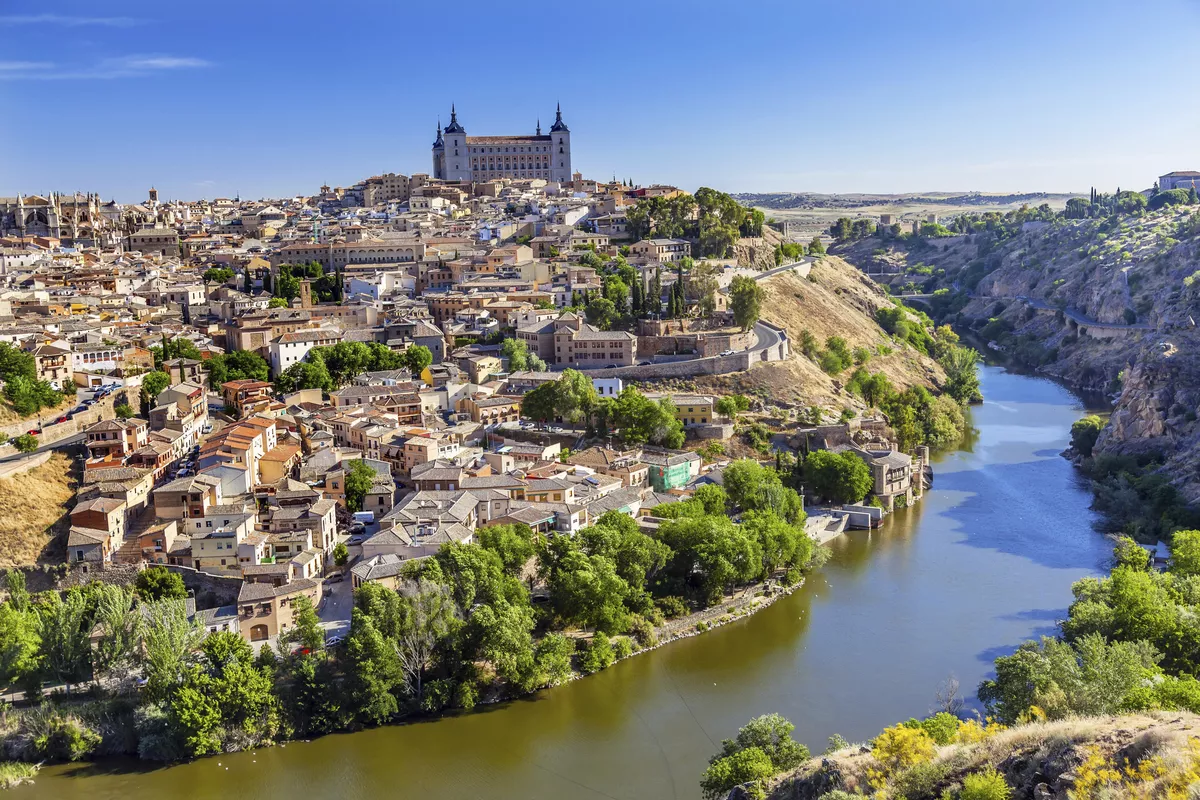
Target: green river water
{"x":985,"y":561}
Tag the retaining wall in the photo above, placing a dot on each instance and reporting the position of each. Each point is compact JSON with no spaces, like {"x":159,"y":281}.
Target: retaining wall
{"x":210,"y":590}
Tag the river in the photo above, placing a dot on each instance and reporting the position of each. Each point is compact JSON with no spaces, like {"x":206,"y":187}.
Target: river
{"x":984,"y":562}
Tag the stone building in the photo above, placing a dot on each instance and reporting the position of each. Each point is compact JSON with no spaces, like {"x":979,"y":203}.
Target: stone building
{"x":459,"y":157}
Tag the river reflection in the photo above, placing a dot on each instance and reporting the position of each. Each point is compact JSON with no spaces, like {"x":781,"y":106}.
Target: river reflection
{"x":983,"y":563}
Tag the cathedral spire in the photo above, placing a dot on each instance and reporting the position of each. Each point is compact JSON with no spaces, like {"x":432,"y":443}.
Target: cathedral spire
{"x":539,"y":126}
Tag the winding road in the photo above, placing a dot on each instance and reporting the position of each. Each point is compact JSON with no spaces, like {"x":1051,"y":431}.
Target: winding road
{"x":1068,"y":312}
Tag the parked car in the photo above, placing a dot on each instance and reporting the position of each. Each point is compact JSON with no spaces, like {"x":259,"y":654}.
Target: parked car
{"x":34,"y":432}
{"x":334,"y":641}
{"x":332,"y":579}
{"x":357,"y":527}
{"x":78,"y":410}
{"x":643,"y":363}
{"x":183,"y":473}
{"x":61,"y":419}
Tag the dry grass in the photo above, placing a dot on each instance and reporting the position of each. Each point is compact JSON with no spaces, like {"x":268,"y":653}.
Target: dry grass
{"x":14,"y":773}
{"x":1037,"y":753}
{"x":9,"y":415}
{"x":34,"y":510}
{"x":838,"y":300}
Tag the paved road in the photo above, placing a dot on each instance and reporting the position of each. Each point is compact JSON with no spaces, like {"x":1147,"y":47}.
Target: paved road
{"x":336,"y":606}
{"x":1079,"y":318}
{"x":59,"y":445}
{"x":1070,"y":313}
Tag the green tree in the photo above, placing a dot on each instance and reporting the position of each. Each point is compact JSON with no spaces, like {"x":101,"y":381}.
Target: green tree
{"x":20,"y":644}
{"x":236,"y":366}
{"x":745,"y":300}
{"x":359,"y":479}
{"x":477,"y":575}
{"x":169,"y":643}
{"x":642,"y":420}
{"x":753,"y":487}
{"x":553,"y":655}
{"x":1084,"y":433}
{"x":152,"y":385}
{"x":418,"y":358}
{"x":341,"y":554}
{"x":596,"y":654}
{"x":512,"y":543}
{"x":25,"y":443}
{"x":384,"y":607}
{"x":308,"y":374}
{"x":764,"y":747}
{"x":1128,"y":553}
{"x":732,"y":405}
{"x":962,"y":374}
{"x":584,"y":589}
{"x":504,"y":632}
{"x":575,"y":396}
{"x":601,"y":312}
{"x":711,"y":552}
{"x":432,"y":617}
{"x":517,"y":353}
{"x":1087,"y":677}
{"x":63,"y":629}
{"x":123,"y":410}
{"x":541,"y":402}
{"x":159,"y":583}
{"x":837,"y":477}
{"x":374,"y":671}
{"x":1185,"y":553}
{"x":118,"y":623}
{"x":306,"y":630}
{"x":18,"y":595}
{"x":637,"y":558}
{"x":217,"y":275}
{"x":714,"y":498}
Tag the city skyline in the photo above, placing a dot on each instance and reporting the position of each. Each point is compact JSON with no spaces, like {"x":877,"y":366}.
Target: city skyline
{"x":272,"y":102}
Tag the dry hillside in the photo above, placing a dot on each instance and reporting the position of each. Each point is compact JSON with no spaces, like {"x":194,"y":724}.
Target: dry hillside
{"x":835,"y":300}
{"x":1147,"y":755}
{"x":34,"y":510}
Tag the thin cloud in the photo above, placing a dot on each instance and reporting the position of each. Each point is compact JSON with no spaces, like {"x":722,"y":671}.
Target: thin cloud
{"x":132,"y":66}
{"x":25,"y":65}
{"x":69,"y":21}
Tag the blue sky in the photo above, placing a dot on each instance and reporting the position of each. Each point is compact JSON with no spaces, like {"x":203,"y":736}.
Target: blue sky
{"x":275,"y":98}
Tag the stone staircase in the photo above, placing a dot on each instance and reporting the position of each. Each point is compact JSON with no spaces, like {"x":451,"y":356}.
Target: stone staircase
{"x":129,"y":552}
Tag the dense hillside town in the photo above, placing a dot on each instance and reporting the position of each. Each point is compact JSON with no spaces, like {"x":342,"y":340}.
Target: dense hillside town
{"x":472,"y":393}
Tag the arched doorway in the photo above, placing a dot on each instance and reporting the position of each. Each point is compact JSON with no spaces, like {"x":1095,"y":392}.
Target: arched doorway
{"x":258,"y":633}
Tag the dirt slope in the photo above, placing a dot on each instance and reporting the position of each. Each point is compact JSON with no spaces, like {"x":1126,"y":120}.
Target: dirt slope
{"x":836,"y":300}
{"x":34,"y":509}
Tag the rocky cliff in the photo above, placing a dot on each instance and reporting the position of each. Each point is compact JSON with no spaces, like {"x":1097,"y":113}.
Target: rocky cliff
{"x":758,"y":252}
{"x":1105,"y":305}
{"x":1137,"y":756}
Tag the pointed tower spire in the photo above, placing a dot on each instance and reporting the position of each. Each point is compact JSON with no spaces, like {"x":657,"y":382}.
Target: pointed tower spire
{"x":559,"y":126}
{"x":539,"y":126}
{"x":454,"y":126}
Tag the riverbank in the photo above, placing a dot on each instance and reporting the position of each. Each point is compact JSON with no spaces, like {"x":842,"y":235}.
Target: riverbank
{"x":15,"y":773}
{"x":861,"y":644}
